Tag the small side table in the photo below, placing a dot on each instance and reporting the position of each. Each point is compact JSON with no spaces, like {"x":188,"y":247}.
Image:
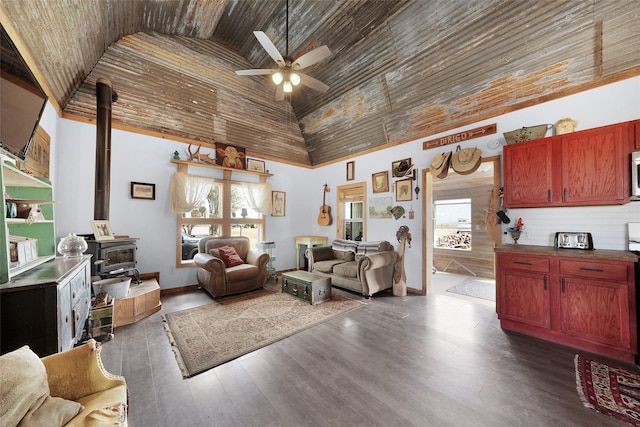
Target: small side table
{"x":268,"y":248}
{"x":308,"y":241}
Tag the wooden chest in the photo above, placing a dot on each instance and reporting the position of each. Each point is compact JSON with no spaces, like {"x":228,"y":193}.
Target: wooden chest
{"x":310,"y":287}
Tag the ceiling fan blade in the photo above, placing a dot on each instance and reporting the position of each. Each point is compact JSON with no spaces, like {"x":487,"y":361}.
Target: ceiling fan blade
{"x":313,"y":83}
{"x":310,"y":58}
{"x":279,"y":93}
{"x":256,"y":72}
{"x":268,"y":45}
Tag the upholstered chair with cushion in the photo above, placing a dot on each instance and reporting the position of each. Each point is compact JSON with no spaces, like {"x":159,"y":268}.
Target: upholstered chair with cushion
{"x":70,"y":388}
{"x":227,"y":265}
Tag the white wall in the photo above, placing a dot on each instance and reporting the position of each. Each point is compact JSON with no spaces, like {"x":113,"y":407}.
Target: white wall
{"x":147,"y":159}
{"x":609,"y":104}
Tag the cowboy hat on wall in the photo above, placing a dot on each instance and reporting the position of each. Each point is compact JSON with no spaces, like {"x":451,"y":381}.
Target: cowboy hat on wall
{"x":440,"y":165}
{"x":466,"y":161}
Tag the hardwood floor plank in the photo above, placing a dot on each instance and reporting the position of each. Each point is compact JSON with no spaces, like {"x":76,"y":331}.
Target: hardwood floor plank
{"x":246,"y":397}
{"x":213,"y":403}
{"x":409,"y":361}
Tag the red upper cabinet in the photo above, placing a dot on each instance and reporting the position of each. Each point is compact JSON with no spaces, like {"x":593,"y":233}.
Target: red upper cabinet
{"x":595,"y":167}
{"x":637,"y":135}
{"x":578,"y":169}
{"x":528,"y":173}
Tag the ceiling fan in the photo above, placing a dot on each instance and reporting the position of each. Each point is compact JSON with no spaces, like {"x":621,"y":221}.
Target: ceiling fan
{"x":287,"y":74}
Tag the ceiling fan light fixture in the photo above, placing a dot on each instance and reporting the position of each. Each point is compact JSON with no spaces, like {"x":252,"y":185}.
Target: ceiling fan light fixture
{"x":294,"y":79}
{"x":277,"y":77}
{"x":286,"y":87}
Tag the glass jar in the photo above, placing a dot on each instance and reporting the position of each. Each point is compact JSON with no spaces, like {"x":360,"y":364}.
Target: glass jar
{"x":72,"y":246}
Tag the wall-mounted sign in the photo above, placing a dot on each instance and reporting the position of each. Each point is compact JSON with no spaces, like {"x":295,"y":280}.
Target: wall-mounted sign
{"x":460,"y":136}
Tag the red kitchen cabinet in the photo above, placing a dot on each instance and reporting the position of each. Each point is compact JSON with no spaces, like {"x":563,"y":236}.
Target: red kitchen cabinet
{"x":595,"y":301}
{"x":583,"y":168}
{"x":592,"y":166}
{"x":528,"y":173}
{"x":586,"y":303}
{"x":637,"y":136}
{"x":605,"y":322}
{"x":525,"y":298}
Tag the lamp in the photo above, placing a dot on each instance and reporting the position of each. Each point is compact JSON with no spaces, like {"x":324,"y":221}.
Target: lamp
{"x":286,"y":87}
{"x":294,"y":79}
{"x":244,"y":213}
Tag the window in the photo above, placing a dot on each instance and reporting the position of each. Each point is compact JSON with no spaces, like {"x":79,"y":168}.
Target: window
{"x":453,"y":224}
{"x":224,"y":212}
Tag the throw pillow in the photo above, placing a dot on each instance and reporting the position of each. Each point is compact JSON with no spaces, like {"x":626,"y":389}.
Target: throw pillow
{"x":230,"y":256}
{"x":323,"y":253}
{"x":344,"y":255}
{"x":24,"y":393}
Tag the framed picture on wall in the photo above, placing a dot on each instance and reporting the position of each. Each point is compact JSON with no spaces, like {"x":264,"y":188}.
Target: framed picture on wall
{"x":380,"y":182}
{"x":400,"y":167}
{"x":403,"y":190}
{"x":230,"y":156}
{"x":351,"y":171}
{"x":278,"y":203}
{"x":255,"y":165}
{"x":141,"y":190}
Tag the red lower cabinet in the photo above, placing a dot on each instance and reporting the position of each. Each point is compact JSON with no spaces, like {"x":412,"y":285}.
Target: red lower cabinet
{"x":587,"y":304}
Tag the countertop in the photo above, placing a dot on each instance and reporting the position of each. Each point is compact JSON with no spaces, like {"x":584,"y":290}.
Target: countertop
{"x":48,"y":274}
{"x":602,"y":254}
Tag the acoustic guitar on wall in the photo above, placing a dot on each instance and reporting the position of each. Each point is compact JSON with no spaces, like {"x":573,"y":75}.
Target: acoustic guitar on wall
{"x":324,"y":217}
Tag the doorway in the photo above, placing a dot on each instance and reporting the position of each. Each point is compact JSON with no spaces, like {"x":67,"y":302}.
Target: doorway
{"x":461,"y":231}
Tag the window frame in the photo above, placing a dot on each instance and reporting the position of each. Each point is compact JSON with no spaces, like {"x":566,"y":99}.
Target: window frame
{"x":356,"y":192}
{"x":225,"y":222}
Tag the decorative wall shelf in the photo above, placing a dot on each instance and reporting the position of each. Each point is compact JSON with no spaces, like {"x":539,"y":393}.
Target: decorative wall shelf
{"x":19,"y":187}
{"x":183,"y":166}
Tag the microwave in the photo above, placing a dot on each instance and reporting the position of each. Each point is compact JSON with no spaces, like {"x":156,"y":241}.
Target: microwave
{"x":635,"y":175}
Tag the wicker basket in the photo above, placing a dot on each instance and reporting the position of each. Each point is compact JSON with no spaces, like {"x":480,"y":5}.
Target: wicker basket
{"x":526,"y":134}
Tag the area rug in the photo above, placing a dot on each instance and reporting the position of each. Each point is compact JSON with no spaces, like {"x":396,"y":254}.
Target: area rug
{"x":207,"y":336}
{"x":477,"y":288}
{"x":609,"y":389}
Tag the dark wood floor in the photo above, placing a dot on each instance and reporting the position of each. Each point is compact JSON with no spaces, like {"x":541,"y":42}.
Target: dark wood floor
{"x":410,"y":361}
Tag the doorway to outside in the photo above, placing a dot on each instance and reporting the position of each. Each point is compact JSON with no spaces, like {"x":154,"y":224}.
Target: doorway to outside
{"x":462,"y":230}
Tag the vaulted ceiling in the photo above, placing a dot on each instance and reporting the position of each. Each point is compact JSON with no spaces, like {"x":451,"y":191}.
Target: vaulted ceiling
{"x":399,"y":70}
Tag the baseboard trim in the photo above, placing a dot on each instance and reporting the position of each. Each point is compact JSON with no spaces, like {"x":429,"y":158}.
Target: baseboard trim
{"x":179,"y":289}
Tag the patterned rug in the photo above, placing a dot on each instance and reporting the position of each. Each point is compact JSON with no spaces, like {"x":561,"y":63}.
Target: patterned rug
{"x":207,"y":336}
{"x":609,"y":389}
{"x":477,"y":288}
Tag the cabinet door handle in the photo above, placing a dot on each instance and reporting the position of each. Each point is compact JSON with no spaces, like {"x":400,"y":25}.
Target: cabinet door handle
{"x":564,"y":195}
{"x":545,"y":283}
{"x":548,"y":195}
{"x":599,"y":270}
{"x":563,"y":287}
{"x":522,"y":262}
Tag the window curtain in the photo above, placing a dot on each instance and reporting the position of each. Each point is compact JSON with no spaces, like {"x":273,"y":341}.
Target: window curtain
{"x":258,"y":196}
{"x":187,"y":192}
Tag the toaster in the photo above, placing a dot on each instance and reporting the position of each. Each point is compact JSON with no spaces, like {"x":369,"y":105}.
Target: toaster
{"x":573,"y":240}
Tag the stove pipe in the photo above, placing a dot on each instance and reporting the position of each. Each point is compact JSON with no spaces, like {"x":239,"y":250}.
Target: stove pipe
{"x":104,"y":97}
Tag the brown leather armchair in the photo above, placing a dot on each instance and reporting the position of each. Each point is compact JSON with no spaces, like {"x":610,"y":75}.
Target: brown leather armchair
{"x":219,"y":280}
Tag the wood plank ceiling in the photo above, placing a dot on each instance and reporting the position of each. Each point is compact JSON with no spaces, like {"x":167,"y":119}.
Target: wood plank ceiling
{"x":400,"y":69}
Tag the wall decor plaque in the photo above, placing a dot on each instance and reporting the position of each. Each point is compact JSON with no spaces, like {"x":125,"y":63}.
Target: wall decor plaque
{"x":461,"y":136}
